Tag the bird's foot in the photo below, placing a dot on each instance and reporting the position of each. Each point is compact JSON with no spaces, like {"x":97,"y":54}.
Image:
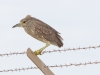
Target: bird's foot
{"x":38,"y":52}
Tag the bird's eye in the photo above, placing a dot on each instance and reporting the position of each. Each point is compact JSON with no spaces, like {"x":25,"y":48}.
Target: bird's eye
{"x":24,"y":21}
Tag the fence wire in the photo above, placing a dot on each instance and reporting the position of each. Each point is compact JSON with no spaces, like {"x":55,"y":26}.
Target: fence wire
{"x":54,"y":66}
{"x":50,"y":51}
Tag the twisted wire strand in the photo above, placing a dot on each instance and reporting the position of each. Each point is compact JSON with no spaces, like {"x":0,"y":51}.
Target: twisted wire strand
{"x":50,"y":51}
{"x":54,"y":66}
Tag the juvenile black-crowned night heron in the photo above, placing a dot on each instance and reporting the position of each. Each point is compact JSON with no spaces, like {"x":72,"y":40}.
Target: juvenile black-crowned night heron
{"x":41,"y":31}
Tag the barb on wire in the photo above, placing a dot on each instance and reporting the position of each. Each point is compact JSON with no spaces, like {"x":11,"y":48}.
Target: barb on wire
{"x":55,"y":66}
{"x":50,"y":51}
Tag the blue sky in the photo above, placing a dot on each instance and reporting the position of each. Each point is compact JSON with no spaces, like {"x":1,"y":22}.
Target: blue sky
{"x":76,"y":20}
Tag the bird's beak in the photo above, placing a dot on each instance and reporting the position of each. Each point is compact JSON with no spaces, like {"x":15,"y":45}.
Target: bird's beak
{"x":17,"y":25}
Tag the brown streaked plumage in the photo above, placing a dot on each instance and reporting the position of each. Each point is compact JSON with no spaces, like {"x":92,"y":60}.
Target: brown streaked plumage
{"x":40,"y":31}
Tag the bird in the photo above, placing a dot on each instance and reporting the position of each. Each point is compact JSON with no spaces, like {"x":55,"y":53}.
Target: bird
{"x":40,"y":31}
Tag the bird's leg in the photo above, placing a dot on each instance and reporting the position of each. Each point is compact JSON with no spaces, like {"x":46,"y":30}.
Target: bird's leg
{"x":38,"y":52}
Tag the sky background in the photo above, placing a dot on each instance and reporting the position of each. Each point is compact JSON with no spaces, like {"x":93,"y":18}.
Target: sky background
{"x":78,"y":21}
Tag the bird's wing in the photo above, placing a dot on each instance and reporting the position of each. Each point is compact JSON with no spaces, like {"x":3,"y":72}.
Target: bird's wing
{"x":43,"y":26}
{"x":47,"y":32}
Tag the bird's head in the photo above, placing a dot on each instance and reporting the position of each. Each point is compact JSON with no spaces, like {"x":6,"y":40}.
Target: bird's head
{"x":22,"y":22}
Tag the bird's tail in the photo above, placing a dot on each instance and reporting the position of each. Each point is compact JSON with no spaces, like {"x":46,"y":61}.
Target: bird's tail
{"x":59,"y":41}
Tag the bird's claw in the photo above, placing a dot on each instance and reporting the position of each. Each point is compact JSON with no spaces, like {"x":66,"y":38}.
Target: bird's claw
{"x":38,"y":52}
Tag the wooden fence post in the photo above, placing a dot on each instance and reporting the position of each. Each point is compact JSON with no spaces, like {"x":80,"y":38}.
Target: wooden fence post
{"x":36,"y":60}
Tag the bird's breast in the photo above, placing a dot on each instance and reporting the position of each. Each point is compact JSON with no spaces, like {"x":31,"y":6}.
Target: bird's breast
{"x":31,"y":31}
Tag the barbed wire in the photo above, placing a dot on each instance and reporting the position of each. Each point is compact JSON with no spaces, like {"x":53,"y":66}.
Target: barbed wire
{"x":13,"y":53}
{"x":50,"y":51}
{"x":73,"y":49}
{"x":55,"y":66}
